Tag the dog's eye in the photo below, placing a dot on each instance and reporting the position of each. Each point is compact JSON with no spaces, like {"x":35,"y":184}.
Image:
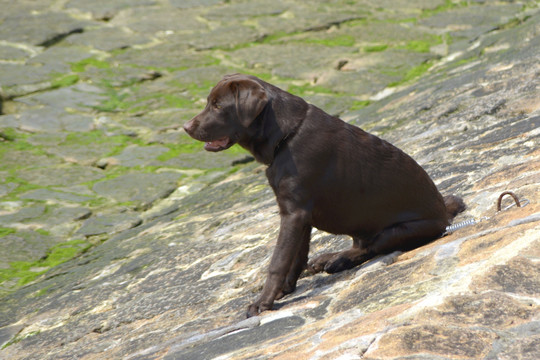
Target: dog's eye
{"x":216,"y":106}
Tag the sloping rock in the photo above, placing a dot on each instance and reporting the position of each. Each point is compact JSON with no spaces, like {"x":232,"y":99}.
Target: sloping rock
{"x":174,"y":270}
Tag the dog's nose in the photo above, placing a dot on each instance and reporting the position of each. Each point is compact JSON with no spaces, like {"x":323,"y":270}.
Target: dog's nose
{"x":189,"y":126}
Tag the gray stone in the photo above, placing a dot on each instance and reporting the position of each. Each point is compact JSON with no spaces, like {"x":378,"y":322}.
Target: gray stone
{"x":173,"y":55}
{"x":292,"y":60}
{"x":12,"y":53}
{"x":57,"y":59}
{"x":186,"y":4}
{"x":64,"y":175}
{"x":108,"y":38}
{"x":229,"y":343}
{"x":134,"y":155}
{"x":226,"y":37}
{"x":81,"y":154}
{"x":47,"y":139}
{"x":24,"y":245}
{"x":160,"y":21}
{"x":18,"y":79}
{"x":55,"y":196}
{"x":256,"y":8}
{"x":41,"y":29}
{"x":24,"y":7}
{"x":79,"y":96}
{"x":8,"y":332}
{"x":22,"y":159}
{"x":22,"y":215}
{"x":104,"y":9}
{"x":472,"y":21}
{"x":7,"y":188}
{"x":49,"y":119}
{"x":108,"y":224}
{"x":139,"y":188}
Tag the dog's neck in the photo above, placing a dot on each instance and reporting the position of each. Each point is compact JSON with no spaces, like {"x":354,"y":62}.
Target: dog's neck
{"x":273,"y":129}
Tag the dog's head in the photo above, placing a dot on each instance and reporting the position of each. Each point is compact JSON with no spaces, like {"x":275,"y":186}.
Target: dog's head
{"x":232,"y":106}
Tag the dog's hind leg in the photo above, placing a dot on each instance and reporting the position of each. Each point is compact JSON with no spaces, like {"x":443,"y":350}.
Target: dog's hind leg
{"x":403,"y":236}
{"x":339,"y":261}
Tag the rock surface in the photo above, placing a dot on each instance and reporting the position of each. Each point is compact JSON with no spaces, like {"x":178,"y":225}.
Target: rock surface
{"x":122,"y":239}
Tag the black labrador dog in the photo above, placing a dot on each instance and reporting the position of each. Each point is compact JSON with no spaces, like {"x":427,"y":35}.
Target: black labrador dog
{"x":325,"y":173}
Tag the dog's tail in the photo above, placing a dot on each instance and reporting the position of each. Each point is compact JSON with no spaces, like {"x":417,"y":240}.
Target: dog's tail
{"x":454,"y":205}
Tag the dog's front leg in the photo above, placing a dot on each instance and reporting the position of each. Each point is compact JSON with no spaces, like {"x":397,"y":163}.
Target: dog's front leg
{"x":290,"y":245}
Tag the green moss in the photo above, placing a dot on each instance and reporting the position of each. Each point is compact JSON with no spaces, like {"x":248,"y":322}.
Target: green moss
{"x":338,"y":40}
{"x":331,"y":41}
{"x":357,"y":22}
{"x":307,"y":89}
{"x":80,"y":66}
{"x":8,"y":134}
{"x":417,"y":46}
{"x":6,"y":231}
{"x":117,"y":96}
{"x":375,"y":48}
{"x":43,"y":232}
{"x":18,"y":142}
{"x":85,"y":138}
{"x":114,"y":103}
{"x":19,"y":338}
{"x":360,"y":104}
{"x":176,"y":150}
{"x":177,"y":102}
{"x":194,"y":146}
{"x":412,"y":73}
{"x":26,"y":271}
{"x":195,"y":90}
{"x":23,"y":186}
{"x":448,"y":4}
{"x":237,"y":149}
{"x":406,"y":20}
{"x":42,"y":292}
{"x":275,"y":36}
{"x":64,"y":80}
{"x":261,"y":75}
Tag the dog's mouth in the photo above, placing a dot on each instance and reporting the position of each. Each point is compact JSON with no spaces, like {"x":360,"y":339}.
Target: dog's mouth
{"x":219,"y":144}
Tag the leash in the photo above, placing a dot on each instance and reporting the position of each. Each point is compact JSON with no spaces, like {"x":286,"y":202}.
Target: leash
{"x":469,"y":222}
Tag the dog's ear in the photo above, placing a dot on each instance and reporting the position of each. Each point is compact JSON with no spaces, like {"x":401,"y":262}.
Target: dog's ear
{"x":250,"y":98}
